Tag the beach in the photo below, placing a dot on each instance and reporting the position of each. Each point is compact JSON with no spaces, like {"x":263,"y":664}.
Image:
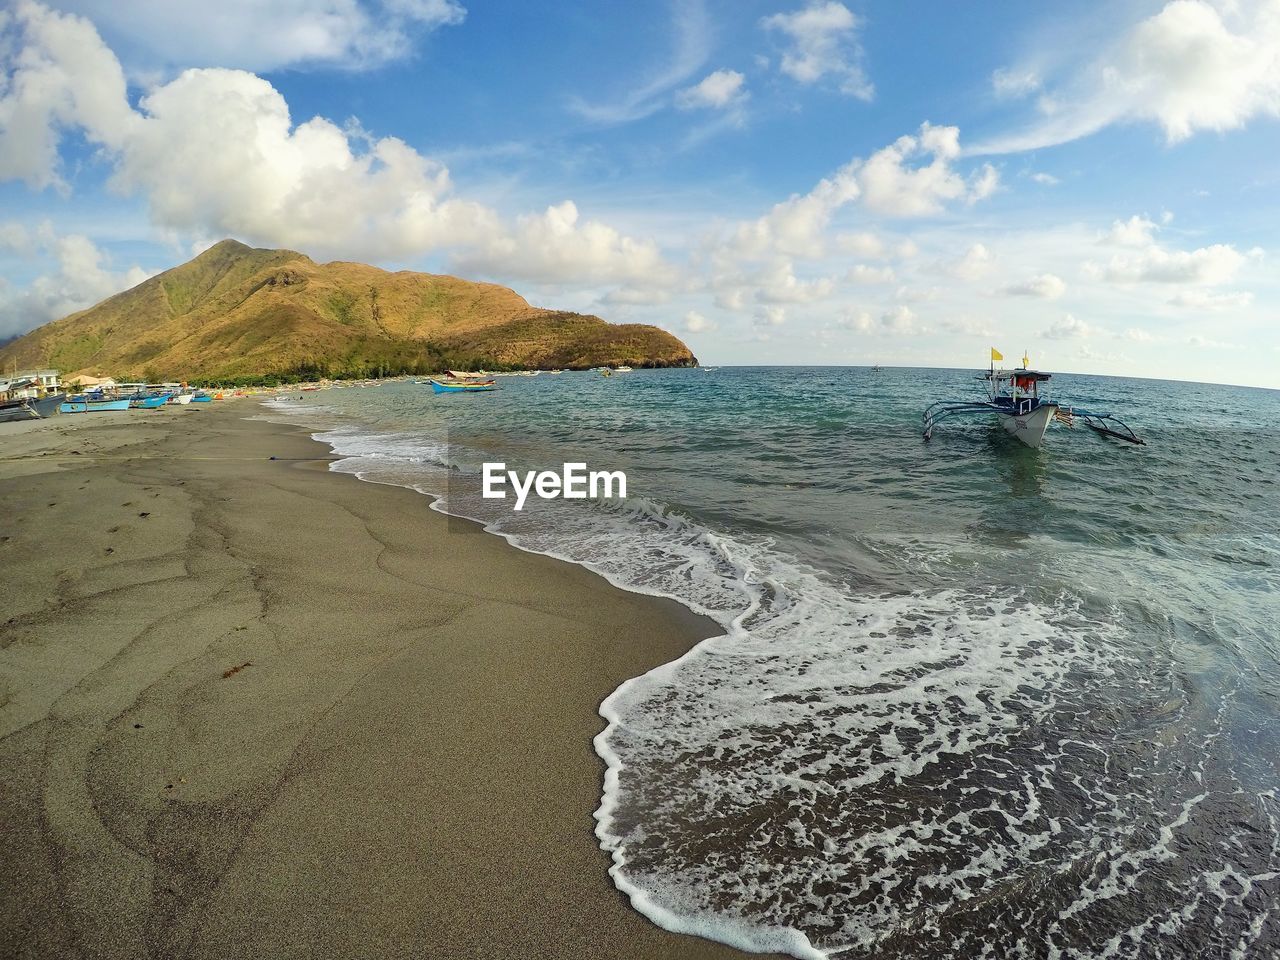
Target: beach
{"x":253,"y":708}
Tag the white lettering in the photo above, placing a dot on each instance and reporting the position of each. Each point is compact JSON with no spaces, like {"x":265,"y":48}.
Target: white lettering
{"x":608,"y":478}
{"x":548,"y":485}
{"x":494,"y":474}
{"x":522,"y":490}
{"x":575,"y":481}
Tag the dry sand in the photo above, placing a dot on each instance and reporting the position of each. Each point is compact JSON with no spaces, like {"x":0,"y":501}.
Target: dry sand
{"x":250,"y":708}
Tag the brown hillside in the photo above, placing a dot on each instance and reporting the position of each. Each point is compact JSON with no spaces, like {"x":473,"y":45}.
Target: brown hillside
{"x":236,"y":311}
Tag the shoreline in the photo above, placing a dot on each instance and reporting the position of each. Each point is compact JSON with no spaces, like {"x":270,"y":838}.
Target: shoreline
{"x":285,"y":712}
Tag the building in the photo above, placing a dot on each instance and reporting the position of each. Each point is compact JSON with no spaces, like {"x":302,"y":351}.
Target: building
{"x":45,"y":381}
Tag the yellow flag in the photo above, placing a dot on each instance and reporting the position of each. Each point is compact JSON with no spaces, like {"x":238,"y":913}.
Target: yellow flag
{"x":996,"y":355}
{"x":1026,"y":364}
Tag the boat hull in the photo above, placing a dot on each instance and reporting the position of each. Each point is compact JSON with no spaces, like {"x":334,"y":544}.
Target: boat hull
{"x":93,"y":406}
{"x":48,"y":406}
{"x":439,"y":387}
{"x":150,"y":403}
{"x":18,"y":410}
{"x":1030,"y":428}
{"x":180,"y":399}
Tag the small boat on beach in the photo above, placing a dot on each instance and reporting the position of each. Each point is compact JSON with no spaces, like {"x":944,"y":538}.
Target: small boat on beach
{"x":143,"y":401}
{"x":1014,"y":396}
{"x":84,"y":404}
{"x":180,"y":399}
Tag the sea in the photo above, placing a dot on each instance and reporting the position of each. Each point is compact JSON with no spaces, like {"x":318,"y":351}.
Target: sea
{"x":970,"y":700}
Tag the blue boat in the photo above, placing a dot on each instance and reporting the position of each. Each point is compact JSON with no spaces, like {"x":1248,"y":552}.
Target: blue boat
{"x":1014,"y":396}
{"x":202,"y":398}
{"x":84,"y":405}
{"x":148,"y":401}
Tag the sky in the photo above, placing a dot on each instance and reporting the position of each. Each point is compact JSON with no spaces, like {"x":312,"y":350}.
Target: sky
{"x":872,"y":181}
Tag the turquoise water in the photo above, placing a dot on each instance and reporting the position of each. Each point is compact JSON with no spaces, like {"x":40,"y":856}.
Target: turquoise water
{"x":972,"y":699}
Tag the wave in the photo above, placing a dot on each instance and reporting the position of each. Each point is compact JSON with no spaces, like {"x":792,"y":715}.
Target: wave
{"x":939,"y":772}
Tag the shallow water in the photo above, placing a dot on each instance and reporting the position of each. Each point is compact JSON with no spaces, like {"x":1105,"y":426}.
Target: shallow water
{"x":972,"y":699}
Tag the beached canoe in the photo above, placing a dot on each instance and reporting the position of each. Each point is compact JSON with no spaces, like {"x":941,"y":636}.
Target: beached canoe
{"x":81,"y":405}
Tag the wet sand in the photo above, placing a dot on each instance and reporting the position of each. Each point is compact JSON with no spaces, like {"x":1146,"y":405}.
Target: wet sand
{"x":250,"y":708}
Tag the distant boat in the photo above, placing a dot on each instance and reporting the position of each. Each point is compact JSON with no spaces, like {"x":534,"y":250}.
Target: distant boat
{"x":85,"y":405}
{"x":180,"y":399}
{"x":1014,"y":396}
{"x":622,"y":369}
{"x":462,"y":386}
{"x":201,"y":398}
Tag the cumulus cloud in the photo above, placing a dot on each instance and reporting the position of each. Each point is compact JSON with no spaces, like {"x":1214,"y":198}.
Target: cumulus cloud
{"x":553,"y":247}
{"x":215,"y":152}
{"x":771,"y":317}
{"x":912,"y":177}
{"x":821,"y":41}
{"x":694,"y":322}
{"x":1046,"y":286}
{"x":1135,"y":232}
{"x":1206,"y":266}
{"x":81,"y":278}
{"x":779,"y":284}
{"x":251,"y":35}
{"x":716,"y":91}
{"x":1068,"y":328}
{"x":976,"y":262}
{"x":895,"y":181}
{"x":1192,"y":66}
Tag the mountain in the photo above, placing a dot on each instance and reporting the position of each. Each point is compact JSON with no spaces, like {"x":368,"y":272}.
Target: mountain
{"x":236,"y":312}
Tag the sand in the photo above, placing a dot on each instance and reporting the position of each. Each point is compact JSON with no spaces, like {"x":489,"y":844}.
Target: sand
{"x":251,"y":708}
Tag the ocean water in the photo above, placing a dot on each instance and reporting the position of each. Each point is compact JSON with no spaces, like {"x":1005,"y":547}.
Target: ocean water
{"x":971,"y":699}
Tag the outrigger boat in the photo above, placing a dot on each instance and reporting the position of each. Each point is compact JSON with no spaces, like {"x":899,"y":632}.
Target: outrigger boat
{"x":1014,"y":396}
{"x":456,"y":385}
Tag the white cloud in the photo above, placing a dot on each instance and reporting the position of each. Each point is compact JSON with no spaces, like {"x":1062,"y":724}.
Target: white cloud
{"x":861,"y":273}
{"x":976,"y":262}
{"x":692,"y":43}
{"x":1206,"y":266}
{"x":779,"y":284}
{"x":694,"y":322}
{"x":900,"y":319}
{"x":215,"y":153}
{"x":1068,"y":328}
{"x":553,"y":247}
{"x":1135,"y":232}
{"x":822,"y":41}
{"x":1047,"y":286}
{"x":771,"y":317}
{"x":1192,"y":66}
{"x":891,"y":185}
{"x":82,"y":278}
{"x":861,"y":244}
{"x":1011,"y":83}
{"x":1045,"y":179}
{"x":1202,"y":300}
{"x":717,"y":91}
{"x":251,"y":35}
{"x":969,"y":327}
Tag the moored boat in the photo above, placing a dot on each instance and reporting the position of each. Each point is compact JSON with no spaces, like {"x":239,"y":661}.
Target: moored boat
{"x":1014,"y":396}
{"x":140,"y":401}
{"x":449,"y":385}
{"x":180,"y":399}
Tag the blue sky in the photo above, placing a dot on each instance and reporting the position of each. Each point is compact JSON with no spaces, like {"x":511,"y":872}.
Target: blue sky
{"x":775,"y":182}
